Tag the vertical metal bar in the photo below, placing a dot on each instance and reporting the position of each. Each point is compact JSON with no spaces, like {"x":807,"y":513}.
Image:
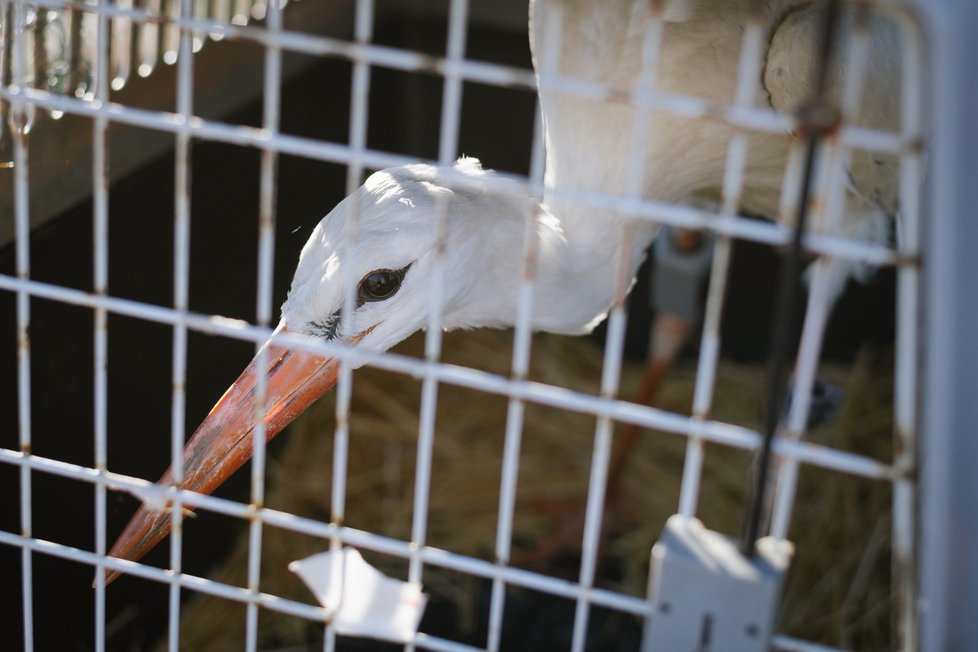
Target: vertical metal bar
{"x":817,"y":312}
{"x":181,"y":282}
{"x":775,"y":389}
{"x":641,"y":128}
{"x":806,"y":366}
{"x":448,"y":146}
{"x":359,"y":114}
{"x":100,"y":201}
{"x":907,"y":379}
{"x":451,"y":113}
{"x":788,"y":272}
{"x":733,"y":183}
{"x":600,"y":458}
{"x":515,"y":408}
{"x":266,"y":250}
{"x":830,"y":212}
{"x":949,"y":485}
{"x":522,"y":339}
{"x":20,"y":126}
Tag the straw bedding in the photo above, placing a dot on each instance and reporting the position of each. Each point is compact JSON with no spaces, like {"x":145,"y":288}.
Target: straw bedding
{"x":839,"y":589}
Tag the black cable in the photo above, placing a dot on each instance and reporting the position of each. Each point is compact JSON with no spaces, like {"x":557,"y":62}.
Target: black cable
{"x":815,"y":118}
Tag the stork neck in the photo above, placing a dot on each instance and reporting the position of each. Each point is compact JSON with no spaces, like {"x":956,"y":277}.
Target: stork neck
{"x":599,"y":236}
{"x":580,"y":279}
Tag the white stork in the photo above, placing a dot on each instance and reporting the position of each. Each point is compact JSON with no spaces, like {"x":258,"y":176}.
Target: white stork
{"x":587,"y":145}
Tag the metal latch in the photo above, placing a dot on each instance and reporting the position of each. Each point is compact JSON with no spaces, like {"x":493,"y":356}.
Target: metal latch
{"x":707,"y":595}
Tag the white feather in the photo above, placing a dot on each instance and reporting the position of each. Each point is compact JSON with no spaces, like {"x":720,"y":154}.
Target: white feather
{"x":588,"y":145}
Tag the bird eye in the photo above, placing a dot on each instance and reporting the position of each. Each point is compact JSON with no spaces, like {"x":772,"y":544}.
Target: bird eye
{"x":380,"y":284}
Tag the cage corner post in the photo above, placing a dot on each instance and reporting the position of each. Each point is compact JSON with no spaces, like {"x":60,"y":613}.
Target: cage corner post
{"x":948,"y":502}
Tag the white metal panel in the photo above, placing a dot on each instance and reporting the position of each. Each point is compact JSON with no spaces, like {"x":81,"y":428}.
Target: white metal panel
{"x":948,"y":506}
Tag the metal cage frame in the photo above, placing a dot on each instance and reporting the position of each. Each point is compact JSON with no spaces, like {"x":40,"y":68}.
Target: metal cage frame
{"x":933,"y":307}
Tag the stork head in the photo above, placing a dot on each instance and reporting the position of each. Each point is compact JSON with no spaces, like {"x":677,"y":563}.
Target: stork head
{"x":381,"y":245}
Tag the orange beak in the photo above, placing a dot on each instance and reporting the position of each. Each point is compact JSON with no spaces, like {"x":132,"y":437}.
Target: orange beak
{"x":224,"y":441}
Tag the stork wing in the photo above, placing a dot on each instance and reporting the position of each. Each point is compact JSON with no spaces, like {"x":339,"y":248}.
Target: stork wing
{"x":791,"y":59}
{"x":595,"y":31}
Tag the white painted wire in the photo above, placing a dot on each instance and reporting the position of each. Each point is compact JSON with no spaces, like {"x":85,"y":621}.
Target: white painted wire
{"x":19,"y":125}
{"x":733,"y":184}
{"x":908,"y":336}
{"x":642,"y":125}
{"x":456,"y":70}
{"x":515,"y":409}
{"x":447,"y":149}
{"x":522,"y":342}
{"x":764,"y":120}
{"x":543,"y":394}
{"x":100,"y":201}
{"x":359,"y":112}
{"x":827,"y":214}
{"x":266,"y":250}
{"x":357,"y":538}
{"x":181,"y":291}
{"x":673,"y":214}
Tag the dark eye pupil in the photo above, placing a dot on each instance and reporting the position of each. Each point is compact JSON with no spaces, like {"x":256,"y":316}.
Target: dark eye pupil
{"x":380,"y":284}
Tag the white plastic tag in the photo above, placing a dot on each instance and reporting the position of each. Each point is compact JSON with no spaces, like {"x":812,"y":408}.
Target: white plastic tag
{"x":361,"y":600}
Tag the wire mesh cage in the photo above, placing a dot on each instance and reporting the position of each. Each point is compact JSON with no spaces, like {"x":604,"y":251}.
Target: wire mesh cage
{"x":167,"y":161}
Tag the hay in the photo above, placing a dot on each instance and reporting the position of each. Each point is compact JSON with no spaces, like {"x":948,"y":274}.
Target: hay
{"x":838,"y":591}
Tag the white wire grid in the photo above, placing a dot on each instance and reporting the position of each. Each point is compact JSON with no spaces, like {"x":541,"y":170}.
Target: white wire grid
{"x":728,"y":224}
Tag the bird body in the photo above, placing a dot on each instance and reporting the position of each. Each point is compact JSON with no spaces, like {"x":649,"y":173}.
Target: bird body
{"x":590,"y":141}
{"x":578,"y":273}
